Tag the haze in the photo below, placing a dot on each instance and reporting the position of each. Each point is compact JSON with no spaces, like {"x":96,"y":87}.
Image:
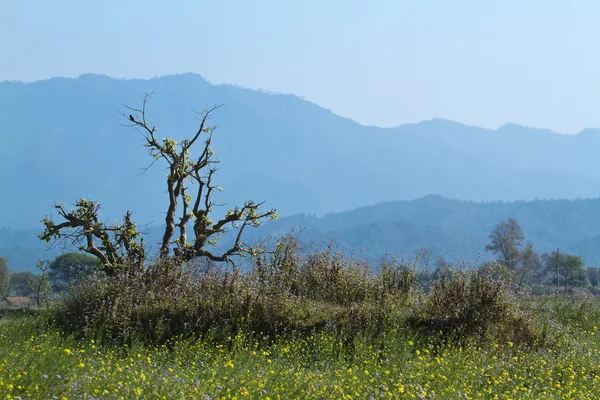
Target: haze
{"x":533,"y":63}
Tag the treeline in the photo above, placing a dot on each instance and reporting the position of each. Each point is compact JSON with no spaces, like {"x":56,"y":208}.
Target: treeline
{"x":518,"y":262}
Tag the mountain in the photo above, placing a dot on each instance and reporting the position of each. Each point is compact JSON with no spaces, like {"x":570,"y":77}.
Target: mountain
{"x":452,"y":228}
{"x":63,"y":139}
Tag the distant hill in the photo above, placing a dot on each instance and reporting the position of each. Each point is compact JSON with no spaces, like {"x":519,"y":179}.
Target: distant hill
{"x":62,"y":139}
{"x":452,"y":228}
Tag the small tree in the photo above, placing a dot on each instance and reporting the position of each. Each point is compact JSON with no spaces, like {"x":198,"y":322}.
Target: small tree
{"x":189,"y":184}
{"x":570,"y":268}
{"x":40,"y":285}
{"x":505,"y":240}
{"x":69,"y":267}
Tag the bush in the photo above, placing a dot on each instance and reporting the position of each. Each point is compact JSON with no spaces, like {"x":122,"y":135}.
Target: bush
{"x":471,"y":304}
{"x":287,"y":291}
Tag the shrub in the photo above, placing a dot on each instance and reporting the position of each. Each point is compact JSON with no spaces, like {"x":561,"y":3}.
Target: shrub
{"x":471,"y":304}
{"x":288,"y":291}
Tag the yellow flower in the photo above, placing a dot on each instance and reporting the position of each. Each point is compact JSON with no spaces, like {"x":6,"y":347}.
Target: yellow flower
{"x":67,"y":351}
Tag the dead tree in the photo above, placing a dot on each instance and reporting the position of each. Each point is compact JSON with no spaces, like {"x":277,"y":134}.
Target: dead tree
{"x":190,"y":191}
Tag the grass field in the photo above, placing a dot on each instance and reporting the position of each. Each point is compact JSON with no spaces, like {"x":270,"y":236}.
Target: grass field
{"x":37,"y":362}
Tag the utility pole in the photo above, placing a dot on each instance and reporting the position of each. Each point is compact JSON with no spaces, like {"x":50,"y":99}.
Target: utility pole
{"x":557,"y":280}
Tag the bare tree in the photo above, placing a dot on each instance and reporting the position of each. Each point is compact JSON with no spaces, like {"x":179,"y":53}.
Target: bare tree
{"x":425,"y":256}
{"x":40,"y":285}
{"x":189,"y":181}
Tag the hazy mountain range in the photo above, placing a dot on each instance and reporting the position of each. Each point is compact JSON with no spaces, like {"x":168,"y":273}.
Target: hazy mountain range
{"x":62,"y":139}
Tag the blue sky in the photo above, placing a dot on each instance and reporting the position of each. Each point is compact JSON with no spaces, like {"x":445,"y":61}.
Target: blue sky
{"x":383,"y":63}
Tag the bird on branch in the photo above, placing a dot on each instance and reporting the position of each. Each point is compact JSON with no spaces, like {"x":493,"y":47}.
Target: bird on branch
{"x":131,"y":118}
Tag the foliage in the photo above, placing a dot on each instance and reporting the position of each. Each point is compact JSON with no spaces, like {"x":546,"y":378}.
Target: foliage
{"x":522,"y":264}
{"x":496,"y":271}
{"x":19,"y":283}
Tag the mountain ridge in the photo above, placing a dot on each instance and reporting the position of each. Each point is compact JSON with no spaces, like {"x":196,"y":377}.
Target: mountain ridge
{"x":193,"y":75}
{"x":448,"y":227}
